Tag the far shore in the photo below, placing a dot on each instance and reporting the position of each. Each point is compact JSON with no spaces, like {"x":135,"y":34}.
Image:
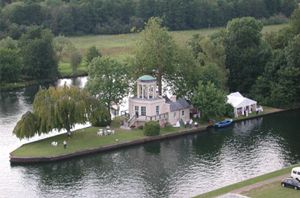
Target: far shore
{"x":85,"y":141}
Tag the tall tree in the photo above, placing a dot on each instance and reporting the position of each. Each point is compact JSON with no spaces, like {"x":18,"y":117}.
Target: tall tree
{"x":108,"y":80}
{"x":38,"y":54}
{"x":75,"y":61}
{"x":246,"y":54}
{"x":155,"y":51}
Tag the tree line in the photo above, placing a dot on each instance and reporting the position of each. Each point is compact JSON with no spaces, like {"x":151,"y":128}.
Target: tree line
{"x":78,"y":17}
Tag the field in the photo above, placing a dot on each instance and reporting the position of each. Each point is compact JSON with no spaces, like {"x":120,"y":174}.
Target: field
{"x":122,"y":45}
{"x":273,"y":190}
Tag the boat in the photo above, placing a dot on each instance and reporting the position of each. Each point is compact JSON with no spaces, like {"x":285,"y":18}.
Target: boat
{"x":223,"y":123}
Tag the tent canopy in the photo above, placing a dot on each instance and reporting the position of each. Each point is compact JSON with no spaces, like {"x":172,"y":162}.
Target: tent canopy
{"x":237,"y":100}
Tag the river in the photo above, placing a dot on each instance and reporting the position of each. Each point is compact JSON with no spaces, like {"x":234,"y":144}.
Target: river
{"x":180,"y":167}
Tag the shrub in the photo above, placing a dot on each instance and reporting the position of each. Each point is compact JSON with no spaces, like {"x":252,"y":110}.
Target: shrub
{"x":151,"y":128}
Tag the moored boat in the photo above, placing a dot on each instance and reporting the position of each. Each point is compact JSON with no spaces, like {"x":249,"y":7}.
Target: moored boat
{"x":223,"y":123}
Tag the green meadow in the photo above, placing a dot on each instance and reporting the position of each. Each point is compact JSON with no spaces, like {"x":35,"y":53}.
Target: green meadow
{"x":123,"y":44}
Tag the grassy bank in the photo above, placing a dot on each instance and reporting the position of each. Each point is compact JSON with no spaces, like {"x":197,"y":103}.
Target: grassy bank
{"x":248,"y":182}
{"x":273,"y":190}
{"x":83,"y":139}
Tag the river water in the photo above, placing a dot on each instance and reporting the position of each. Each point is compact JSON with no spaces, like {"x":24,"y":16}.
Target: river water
{"x":180,"y":167}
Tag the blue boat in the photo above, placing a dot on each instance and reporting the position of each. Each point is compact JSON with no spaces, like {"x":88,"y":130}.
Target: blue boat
{"x":223,"y":123}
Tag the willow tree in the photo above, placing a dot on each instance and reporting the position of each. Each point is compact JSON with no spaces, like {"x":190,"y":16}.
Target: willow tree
{"x":155,"y":51}
{"x":27,"y":127}
{"x":55,"y":108}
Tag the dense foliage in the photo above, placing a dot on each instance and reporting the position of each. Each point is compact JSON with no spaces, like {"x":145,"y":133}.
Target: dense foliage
{"x":30,"y":57}
{"x":151,"y":128}
{"x":122,"y":16}
{"x":210,"y":100}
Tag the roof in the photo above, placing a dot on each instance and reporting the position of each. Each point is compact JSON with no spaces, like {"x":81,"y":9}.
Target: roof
{"x":179,"y":105}
{"x":147,"y":78}
{"x":237,"y":100}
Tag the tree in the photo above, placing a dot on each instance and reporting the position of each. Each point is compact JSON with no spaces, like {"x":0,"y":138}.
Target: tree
{"x":209,"y":100}
{"x":186,"y":71}
{"x":295,"y":21}
{"x":59,"y":108}
{"x":155,"y":51}
{"x":75,"y":60}
{"x":10,"y":65}
{"x":92,"y":53}
{"x":99,"y":114}
{"x":246,"y":53}
{"x":293,"y":52}
{"x":108,"y":80}
{"x":38,"y":54}
{"x":62,"y":46}
{"x":27,"y":127}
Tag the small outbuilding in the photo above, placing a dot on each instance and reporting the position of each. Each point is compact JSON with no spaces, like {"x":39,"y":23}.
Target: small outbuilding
{"x":241,"y":104}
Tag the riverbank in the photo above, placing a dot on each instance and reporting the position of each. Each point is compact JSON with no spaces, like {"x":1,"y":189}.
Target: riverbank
{"x":258,"y":187}
{"x":86,"y":141}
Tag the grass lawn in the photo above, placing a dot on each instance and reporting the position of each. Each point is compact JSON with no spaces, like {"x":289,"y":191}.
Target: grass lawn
{"x":273,"y":190}
{"x":83,"y":139}
{"x":232,"y":187}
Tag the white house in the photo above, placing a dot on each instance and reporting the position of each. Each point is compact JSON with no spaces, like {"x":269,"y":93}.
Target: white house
{"x":241,"y":104}
{"x":147,"y":105}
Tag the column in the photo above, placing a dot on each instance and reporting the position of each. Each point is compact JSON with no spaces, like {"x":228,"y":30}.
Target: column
{"x":142,"y":91}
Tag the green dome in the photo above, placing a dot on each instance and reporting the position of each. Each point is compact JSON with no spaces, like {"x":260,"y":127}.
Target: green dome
{"x":147,"y":78}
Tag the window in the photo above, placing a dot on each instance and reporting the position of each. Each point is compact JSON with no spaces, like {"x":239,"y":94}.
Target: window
{"x":143,"y":111}
{"x":182,"y":113}
{"x":157,"y":110}
{"x":136,"y":110}
{"x":174,"y":114}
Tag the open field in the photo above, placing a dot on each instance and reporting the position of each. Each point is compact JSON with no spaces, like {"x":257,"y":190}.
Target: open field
{"x":122,"y":45}
{"x":273,"y":190}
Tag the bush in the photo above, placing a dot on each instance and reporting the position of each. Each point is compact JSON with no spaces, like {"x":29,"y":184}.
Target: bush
{"x":151,"y":128}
